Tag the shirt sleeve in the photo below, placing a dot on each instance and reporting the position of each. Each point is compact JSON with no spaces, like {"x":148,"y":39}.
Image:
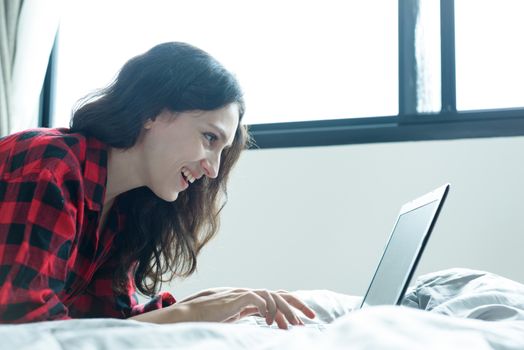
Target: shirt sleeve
{"x":37,"y":227}
{"x":100,"y":300}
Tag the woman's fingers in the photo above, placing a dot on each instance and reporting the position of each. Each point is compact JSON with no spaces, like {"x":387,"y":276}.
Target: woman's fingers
{"x":298,"y":304}
{"x":250,"y":311}
{"x":281,"y":320}
{"x":282,"y":301}
{"x":228,"y":305}
{"x":249,"y":299}
{"x":286,"y":310}
{"x":271,"y":305}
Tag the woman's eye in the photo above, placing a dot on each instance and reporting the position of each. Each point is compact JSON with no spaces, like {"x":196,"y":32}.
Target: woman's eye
{"x":210,"y":137}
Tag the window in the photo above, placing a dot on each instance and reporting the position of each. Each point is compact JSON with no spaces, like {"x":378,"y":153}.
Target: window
{"x":321,"y":72}
{"x":296,"y":60}
{"x":490,"y":54}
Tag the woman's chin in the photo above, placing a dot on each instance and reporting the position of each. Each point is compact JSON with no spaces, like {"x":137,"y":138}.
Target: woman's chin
{"x":168,"y":196}
{"x":172,"y":197}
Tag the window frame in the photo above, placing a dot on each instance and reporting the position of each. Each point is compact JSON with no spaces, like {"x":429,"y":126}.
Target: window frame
{"x":408,"y":125}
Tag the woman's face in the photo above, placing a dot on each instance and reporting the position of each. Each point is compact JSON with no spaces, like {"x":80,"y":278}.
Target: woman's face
{"x":180,"y":147}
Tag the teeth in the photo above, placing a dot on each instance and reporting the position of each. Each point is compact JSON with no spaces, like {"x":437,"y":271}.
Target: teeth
{"x":188,"y":175}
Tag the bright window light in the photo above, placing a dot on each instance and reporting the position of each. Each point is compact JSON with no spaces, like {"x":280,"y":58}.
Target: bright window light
{"x":489,"y":53}
{"x":295,"y":59}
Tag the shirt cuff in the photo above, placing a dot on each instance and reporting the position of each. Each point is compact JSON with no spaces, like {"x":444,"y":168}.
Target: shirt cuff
{"x":159,"y":301}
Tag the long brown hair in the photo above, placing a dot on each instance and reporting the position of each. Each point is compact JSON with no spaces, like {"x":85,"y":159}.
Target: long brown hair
{"x":162,"y":239}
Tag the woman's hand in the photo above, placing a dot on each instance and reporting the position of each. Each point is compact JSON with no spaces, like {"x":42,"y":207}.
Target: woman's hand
{"x":228,"y":304}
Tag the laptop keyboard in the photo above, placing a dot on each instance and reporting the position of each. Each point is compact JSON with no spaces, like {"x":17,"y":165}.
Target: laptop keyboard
{"x":261,"y":322}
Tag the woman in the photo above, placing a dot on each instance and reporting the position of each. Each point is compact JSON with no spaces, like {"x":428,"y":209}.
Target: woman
{"x":129,"y":194}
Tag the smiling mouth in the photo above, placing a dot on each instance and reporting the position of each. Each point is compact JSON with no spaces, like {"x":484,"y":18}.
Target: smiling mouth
{"x":187,"y":175}
{"x":185,"y":178}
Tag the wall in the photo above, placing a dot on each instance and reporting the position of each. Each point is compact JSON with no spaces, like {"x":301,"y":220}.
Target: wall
{"x":318,"y":218}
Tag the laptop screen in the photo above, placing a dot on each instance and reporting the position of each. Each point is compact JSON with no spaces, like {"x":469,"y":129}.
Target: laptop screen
{"x":401,"y":253}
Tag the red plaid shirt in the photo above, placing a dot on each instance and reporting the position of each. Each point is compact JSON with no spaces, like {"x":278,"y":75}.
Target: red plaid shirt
{"x":55,"y":262}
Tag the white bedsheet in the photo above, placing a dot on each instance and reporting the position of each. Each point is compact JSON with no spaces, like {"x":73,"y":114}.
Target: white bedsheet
{"x":464,"y":309}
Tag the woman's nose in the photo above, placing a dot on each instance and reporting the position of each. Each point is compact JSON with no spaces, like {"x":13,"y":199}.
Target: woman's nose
{"x":211,"y":167}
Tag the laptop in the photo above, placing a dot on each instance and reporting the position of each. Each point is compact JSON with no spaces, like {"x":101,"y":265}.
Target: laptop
{"x":406,"y":244}
{"x":404,"y":248}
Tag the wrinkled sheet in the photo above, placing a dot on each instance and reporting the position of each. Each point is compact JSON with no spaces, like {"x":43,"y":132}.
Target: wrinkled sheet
{"x":451,"y":309}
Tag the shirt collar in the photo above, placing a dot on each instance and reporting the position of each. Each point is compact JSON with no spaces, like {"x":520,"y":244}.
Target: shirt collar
{"x":95,"y":173}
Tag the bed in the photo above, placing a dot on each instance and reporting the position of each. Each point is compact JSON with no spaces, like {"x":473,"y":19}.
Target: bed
{"x":450,"y":309}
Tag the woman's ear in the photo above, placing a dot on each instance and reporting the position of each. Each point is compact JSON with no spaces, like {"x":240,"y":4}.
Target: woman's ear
{"x":148,"y":124}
